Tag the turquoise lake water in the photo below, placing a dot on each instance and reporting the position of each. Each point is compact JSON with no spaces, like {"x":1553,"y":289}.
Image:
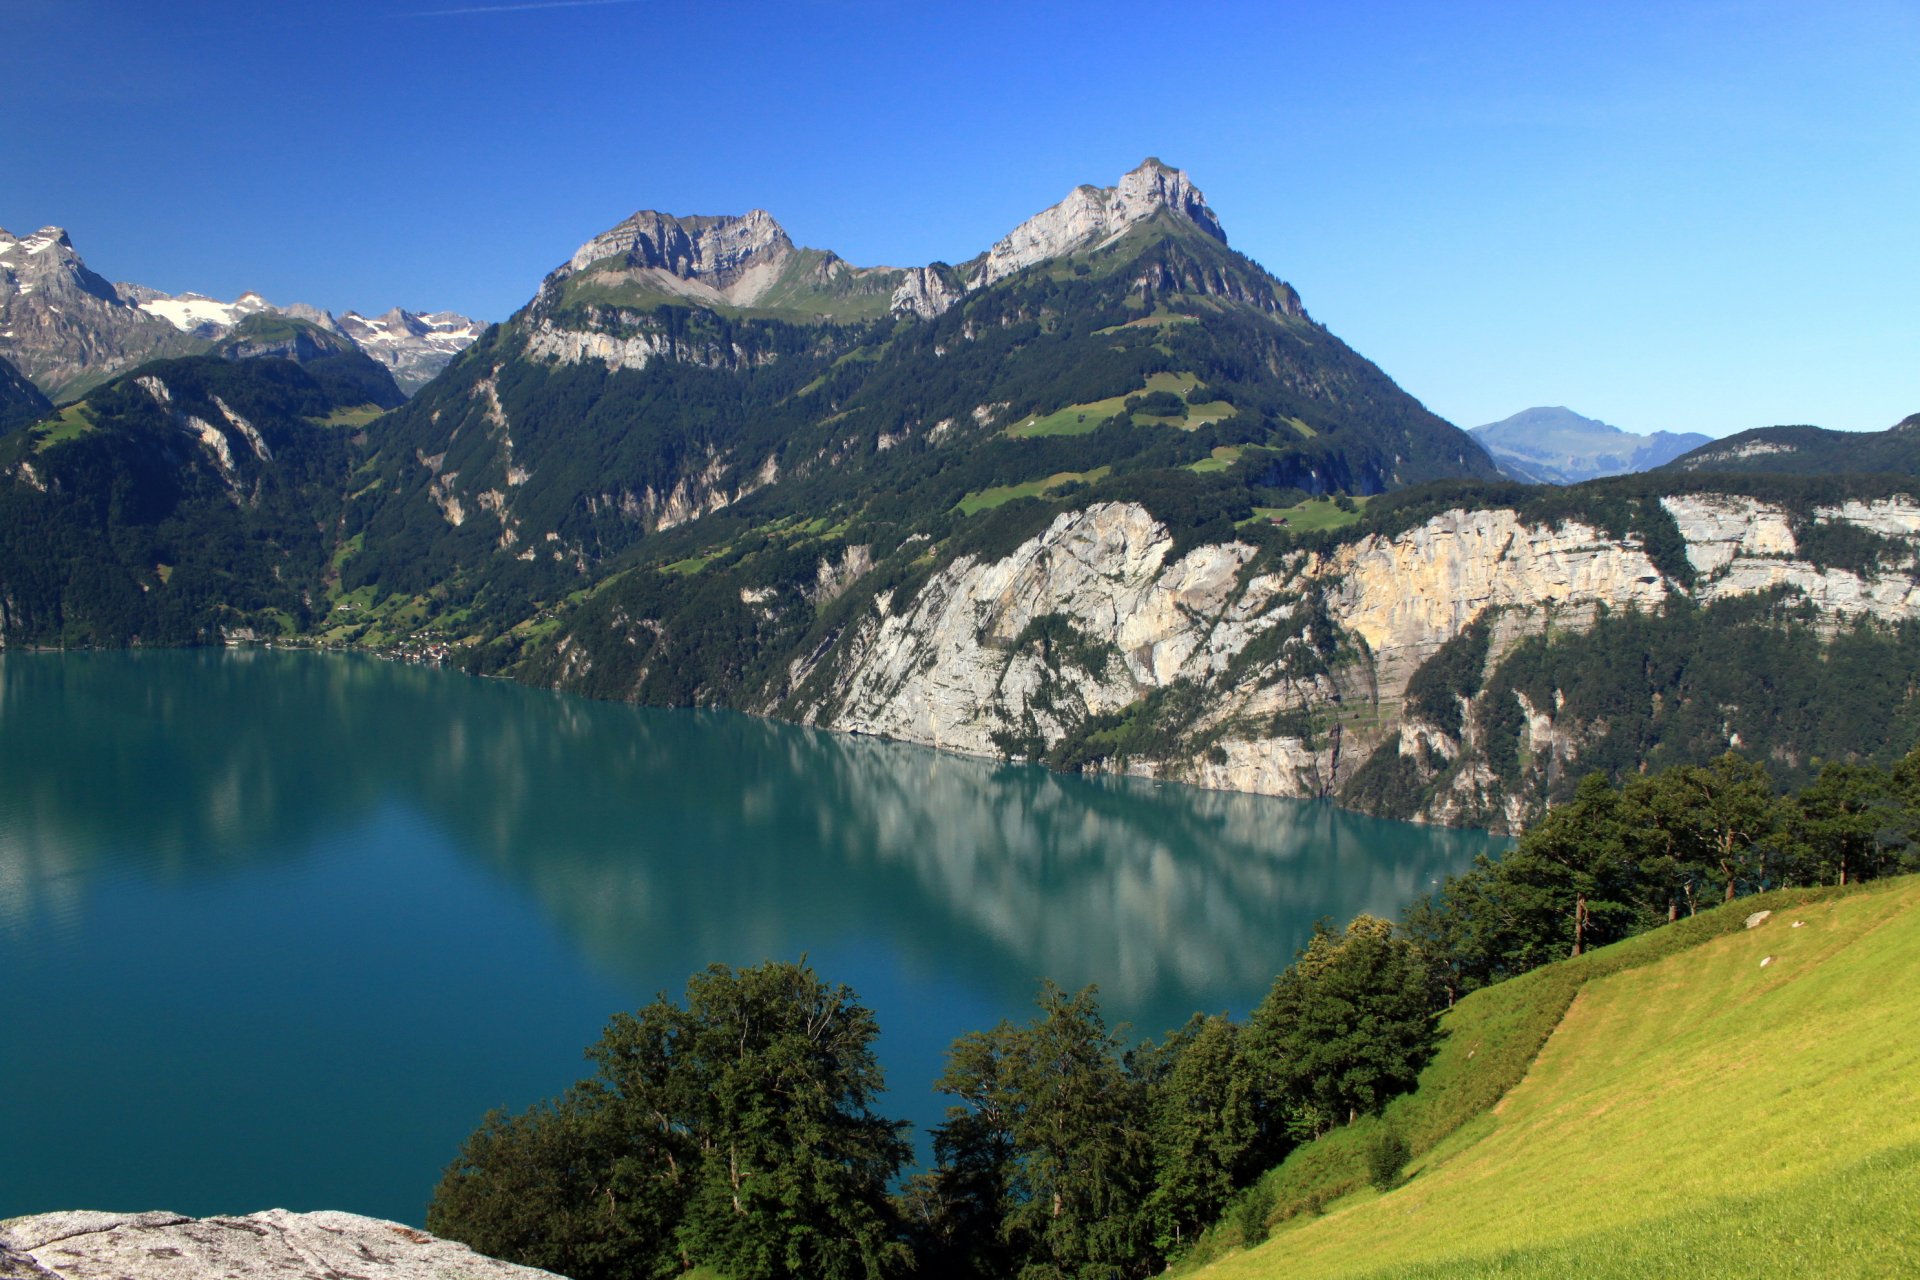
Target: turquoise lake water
{"x":276,"y":929}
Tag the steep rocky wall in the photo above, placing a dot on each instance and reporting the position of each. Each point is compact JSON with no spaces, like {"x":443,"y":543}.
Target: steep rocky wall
{"x":1094,"y":619}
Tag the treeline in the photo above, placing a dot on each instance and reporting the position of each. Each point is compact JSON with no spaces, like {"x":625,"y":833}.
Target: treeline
{"x":736,"y":1131}
{"x":1619,"y":860}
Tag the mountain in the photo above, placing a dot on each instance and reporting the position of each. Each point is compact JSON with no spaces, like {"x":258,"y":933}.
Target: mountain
{"x":674,"y":367}
{"x":191,"y":500}
{"x":1103,"y":495}
{"x":414,"y":347}
{"x":1811,"y":451}
{"x":1555,"y":445}
{"x":69,"y":329}
{"x":20,"y":400}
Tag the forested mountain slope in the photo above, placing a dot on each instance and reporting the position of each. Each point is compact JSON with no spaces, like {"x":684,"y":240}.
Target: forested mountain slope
{"x":20,"y":400}
{"x":191,"y":500}
{"x":1810,"y":451}
{"x":679,"y":367}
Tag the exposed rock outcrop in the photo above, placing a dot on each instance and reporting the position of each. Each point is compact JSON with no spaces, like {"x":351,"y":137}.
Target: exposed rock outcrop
{"x":274,"y":1245}
{"x":1090,"y":216}
{"x":1095,"y":616}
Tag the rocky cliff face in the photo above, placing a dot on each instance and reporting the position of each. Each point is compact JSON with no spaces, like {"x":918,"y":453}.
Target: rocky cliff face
{"x":274,"y":1245}
{"x":65,"y":327}
{"x":1283,"y":675}
{"x":1091,"y":215}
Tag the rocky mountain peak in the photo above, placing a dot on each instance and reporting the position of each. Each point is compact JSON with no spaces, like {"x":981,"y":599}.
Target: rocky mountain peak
{"x":717,"y":251}
{"x":1091,"y":216}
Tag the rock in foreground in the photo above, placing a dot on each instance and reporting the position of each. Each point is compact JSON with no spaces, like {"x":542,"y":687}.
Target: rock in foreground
{"x":91,"y":1245}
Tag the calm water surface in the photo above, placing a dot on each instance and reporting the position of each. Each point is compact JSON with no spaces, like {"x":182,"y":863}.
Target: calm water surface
{"x":276,"y":929}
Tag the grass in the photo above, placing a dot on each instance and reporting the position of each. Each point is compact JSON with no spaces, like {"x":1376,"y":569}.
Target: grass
{"x":70,"y":423}
{"x":1663,"y":1106}
{"x":987,"y":499}
{"x":1225,"y":456}
{"x":690,"y":566}
{"x":358,"y":415}
{"x":1078,"y":419}
{"x":1160,"y":319}
{"x":1310,"y":516}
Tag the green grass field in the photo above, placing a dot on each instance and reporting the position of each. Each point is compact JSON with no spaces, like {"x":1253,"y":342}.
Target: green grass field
{"x":72,"y":422}
{"x":1078,"y":419}
{"x":986,"y":499}
{"x":358,"y":415}
{"x":1691,"y":1112}
{"x":1309,"y":516}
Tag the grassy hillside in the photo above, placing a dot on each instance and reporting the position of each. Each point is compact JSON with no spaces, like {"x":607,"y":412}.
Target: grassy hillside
{"x":1692,"y":1111}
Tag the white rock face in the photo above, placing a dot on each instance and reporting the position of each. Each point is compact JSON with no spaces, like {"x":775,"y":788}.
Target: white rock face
{"x":980,"y":658}
{"x":718,"y":250}
{"x":924,"y":293}
{"x":275,"y":1245}
{"x":1090,"y":216}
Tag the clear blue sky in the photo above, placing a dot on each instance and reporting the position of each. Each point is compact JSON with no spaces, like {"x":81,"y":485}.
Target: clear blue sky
{"x":1691,"y":216}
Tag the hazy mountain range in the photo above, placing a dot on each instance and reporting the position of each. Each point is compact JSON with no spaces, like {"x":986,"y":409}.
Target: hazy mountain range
{"x":1555,"y":445}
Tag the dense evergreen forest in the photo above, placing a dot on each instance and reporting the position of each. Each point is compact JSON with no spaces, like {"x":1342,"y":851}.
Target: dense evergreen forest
{"x":737,"y":1131}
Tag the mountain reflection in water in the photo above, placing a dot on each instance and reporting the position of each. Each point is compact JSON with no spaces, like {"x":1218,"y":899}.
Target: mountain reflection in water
{"x":431,"y":823}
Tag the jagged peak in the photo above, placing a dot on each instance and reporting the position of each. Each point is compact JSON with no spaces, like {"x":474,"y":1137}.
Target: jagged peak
{"x":694,"y":247}
{"x":45,"y":238}
{"x":1091,"y":216}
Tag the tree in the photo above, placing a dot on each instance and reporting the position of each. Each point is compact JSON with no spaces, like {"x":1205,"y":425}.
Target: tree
{"x":1576,"y":865}
{"x":1346,"y":1027}
{"x":1722,"y":816}
{"x":1204,"y":1116}
{"x":1054,"y":1103}
{"x":737,"y":1131}
{"x":562,"y":1186}
{"x":1849,"y":824}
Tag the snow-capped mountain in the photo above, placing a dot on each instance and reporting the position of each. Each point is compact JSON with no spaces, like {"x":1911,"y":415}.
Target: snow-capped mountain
{"x":414,"y":346}
{"x":68,"y":329}
{"x":65,"y":327}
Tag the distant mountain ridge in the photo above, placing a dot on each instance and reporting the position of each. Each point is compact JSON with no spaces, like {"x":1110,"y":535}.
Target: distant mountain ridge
{"x":69,"y":329}
{"x":1803,"y":450}
{"x":1555,"y":445}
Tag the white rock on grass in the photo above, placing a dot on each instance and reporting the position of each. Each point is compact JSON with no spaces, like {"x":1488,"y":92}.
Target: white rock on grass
{"x":92,"y":1245}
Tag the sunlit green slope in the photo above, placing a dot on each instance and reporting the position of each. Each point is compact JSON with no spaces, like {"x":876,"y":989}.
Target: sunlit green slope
{"x":1747,"y":1106}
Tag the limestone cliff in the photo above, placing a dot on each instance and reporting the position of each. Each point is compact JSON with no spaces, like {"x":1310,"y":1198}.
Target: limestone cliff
{"x":1090,"y":215}
{"x":1282,"y":674}
{"x":89,"y":1245}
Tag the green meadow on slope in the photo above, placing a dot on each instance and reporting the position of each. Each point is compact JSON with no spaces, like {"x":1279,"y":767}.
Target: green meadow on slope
{"x":1694,"y":1111}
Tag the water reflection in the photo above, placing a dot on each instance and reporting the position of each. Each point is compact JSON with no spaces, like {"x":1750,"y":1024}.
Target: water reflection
{"x":429,"y":891}
{"x":651,"y":837}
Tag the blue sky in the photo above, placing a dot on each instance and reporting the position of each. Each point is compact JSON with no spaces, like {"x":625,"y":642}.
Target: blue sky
{"x":1690,"y":216}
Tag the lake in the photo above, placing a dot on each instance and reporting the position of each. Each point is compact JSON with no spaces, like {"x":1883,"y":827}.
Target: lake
{"x":276,"y":929}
